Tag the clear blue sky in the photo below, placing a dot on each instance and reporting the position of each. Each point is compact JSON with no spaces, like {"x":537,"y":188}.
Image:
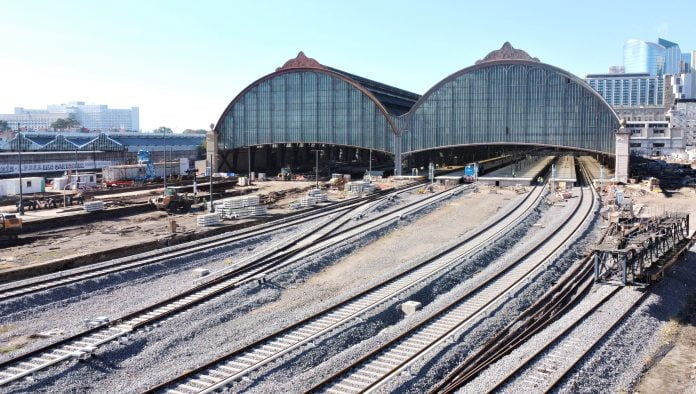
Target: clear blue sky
{"x":182,"y":62}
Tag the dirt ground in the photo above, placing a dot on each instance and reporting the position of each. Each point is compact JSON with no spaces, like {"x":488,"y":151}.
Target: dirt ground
{"x":424,"y":235}
{"x":61,"y":243}
{"x":676,"y":371}
{"x":390,"y":252}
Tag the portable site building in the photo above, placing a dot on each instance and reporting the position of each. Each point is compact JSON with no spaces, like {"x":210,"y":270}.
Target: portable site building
{"x":10,"y":187}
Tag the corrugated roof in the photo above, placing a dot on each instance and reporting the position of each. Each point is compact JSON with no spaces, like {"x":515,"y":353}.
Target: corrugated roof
{"x":396,"y":101}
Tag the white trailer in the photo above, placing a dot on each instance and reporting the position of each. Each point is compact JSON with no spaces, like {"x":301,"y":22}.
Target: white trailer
{"x":29,"y":185}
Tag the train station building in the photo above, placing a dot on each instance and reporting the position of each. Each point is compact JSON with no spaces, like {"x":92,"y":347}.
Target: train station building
{"x":507,"y":100}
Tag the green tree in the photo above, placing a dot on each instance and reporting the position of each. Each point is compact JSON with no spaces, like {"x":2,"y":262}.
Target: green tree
{"x":58,"y":124}
{"x":163,"y":130}
{"x":62,"y":124}
{"x":4,"y":126}
{"x":71,"y":123}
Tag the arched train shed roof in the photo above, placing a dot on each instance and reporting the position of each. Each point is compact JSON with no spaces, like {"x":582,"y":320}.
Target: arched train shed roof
{"x":307,"y":105}
{"x":511,"y":101}
{"x":506,"y":98}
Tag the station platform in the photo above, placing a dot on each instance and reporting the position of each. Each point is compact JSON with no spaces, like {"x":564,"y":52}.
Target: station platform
{"x":593,"y":167}
{"x":524,"y":172}
{"x":566,"y":178}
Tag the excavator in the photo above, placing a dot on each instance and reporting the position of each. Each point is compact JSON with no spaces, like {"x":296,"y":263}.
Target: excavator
{"x":173,"y":200}
{"x":10,"y":226}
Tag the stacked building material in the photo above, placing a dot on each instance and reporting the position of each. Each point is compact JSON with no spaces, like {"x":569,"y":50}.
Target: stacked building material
{"x":307,"y":201}
{"x":239,"y":207}
{"x":360,"y":187}
{"x":93,"y":206}
{"x":319,"y":195}
{"x":208,"y":219}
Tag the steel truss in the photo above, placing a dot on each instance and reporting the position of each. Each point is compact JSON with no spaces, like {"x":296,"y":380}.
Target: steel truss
{"x":639,"y":251}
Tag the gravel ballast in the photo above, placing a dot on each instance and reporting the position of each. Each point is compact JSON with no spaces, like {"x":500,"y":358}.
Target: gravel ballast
{"x":197,"y":335}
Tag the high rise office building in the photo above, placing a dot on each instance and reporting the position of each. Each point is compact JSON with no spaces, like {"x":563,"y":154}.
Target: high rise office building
{"x":642,"y":57}
{"x":673,"y":56}
{"x":661,"y":58}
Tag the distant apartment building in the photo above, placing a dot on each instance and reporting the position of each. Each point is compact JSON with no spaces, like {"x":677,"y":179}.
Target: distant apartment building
{"x":629,"y":89}
{"x":92,"y":117}
{"x":654,"y":92}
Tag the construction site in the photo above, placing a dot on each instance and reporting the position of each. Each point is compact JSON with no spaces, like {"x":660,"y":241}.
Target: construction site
{"x":494,"y":234}
{"x":374,"y":282}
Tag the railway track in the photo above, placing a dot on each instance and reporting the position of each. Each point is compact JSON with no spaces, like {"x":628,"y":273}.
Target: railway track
{"x":561,"y":341}
{"x":85,"y":343}
{"x":377,"y":368}
{"x":548,"y":308}
{"x":35,"y":285}
{"x":223,"y":371}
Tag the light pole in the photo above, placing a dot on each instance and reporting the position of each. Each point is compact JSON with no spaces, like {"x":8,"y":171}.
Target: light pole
{"x":316,"y":151}
{"x":370,"y":166}
{"x":19,"y":155}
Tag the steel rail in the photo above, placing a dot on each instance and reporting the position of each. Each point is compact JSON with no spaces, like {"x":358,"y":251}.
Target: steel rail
{"x":101,"y":269}
{"x":223,"y":370}
{"x":86,"y":342}
{"x":558,"y":380}
{"x":551,"y":342}
{"x":443,"y":318}
{"x":555,"y":302}
{"x":594,"y":344}
{"x":547,"y":308}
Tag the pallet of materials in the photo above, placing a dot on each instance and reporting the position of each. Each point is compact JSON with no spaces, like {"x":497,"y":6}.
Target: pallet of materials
{"x":360,"y":187}
{"x":208,"y":219}
{"x":93,"y":206}
{"x":240,"y":207}
{"x":318,"y":195}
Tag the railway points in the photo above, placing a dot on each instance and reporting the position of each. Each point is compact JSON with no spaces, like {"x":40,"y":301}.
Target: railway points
{"x":275,"y":251}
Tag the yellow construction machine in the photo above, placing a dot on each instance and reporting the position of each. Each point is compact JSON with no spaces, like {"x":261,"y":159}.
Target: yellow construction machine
{"x":10,"y":226}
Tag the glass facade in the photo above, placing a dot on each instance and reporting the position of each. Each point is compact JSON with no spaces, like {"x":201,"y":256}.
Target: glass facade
{"x":672,"y":56}
{"x":644,"y":57}
{"x":496,"y":102}
{"x":500,"y":102}
{"x":305,"y":106}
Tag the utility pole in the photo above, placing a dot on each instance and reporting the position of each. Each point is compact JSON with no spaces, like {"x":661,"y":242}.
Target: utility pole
{"x":77,"y":174}
{"x":164,"y":146}
{"x":316,"y":169}
{"x":212,"y":208}
{"x":19,"y":154}
{"x":248,"y":164}
{"x":171,"y":162}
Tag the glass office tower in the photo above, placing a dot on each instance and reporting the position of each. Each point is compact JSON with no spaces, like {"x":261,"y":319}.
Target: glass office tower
{"x":672,"y":56}
{"x":641,"y":57}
